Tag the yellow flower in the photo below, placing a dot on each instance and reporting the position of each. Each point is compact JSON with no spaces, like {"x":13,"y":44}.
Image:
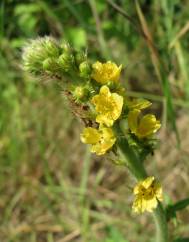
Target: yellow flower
{"x":147,"y":193}
{"x":138,"y":103}
{"x":101,"y":140}
{"x":105,"y":72}
{"x":108,"y":106}
{"x":144,"y":127}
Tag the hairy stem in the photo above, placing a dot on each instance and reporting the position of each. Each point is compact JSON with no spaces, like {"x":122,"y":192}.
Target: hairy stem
{"x":132,"y":160}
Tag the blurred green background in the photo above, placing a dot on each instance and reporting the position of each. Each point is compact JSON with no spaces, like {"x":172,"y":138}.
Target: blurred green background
{"x":51,"y":188}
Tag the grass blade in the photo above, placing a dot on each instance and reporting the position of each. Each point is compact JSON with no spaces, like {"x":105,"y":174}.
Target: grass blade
{"x":160,"y":72}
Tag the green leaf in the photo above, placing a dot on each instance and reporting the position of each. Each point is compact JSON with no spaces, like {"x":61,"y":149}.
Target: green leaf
{"x":181,"y":240}
{"x":172,"y":209}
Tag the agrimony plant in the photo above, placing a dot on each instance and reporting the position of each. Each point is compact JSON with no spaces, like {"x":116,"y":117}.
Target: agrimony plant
{"x":114,"y":123}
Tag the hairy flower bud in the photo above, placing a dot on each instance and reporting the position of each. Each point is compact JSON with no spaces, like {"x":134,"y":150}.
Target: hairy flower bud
{"x":80,"y":93}
{"x":51,"y":65}
{"x":66,"y":61}
{"x":85,"y":69}
{"x":52,"y":48}
{"x":37,"y":51}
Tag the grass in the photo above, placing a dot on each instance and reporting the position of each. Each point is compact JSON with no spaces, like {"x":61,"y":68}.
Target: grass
{"x":51,"y":188}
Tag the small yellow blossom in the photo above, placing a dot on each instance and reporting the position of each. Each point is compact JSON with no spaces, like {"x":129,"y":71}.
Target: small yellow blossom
{"x":138,"y":103}
{"x":101,"y":140}
{"x":105,"y":72}
{"x":108,"y":106}
{"x":144,"y":127}
{"x":147,"y":194}
{"x":90,"y":136}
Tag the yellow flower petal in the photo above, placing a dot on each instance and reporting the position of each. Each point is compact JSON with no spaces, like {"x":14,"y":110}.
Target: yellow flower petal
{"x":138,"y":205}
{"x":104,"y":90}
{"x":101,"y":140}
{"x":105,"y":72}
{"x":144,"y":127}
{"x":148,"y":182}
{"x":151,"y":204}
{"x":147,"y":193}
{"x":133,"y":120}
{"x":138,"y":103}
{"x":148,"y":126}
{"x":107,"y":141}
{"x":104,"y":119}
{"x":90,"y":136}
{"x":137,"y":188}
{"x":108,"y":106}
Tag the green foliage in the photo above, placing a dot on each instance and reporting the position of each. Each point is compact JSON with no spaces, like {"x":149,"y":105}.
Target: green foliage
{"x":181,"y":240}
{"x":173,"y":208}
{"x":27,"y":17}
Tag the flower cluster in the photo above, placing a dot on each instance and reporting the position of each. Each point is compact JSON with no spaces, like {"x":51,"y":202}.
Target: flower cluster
{"x":97,"y":96}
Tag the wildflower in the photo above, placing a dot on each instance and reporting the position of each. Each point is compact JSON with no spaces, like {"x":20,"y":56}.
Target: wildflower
{"x":147,"y":194}
{"x":144,"y":127}
{"x":138,"y":103}
{"x":105,"y":72}
{"x":108,"y":106}
{"x":101,"y":140}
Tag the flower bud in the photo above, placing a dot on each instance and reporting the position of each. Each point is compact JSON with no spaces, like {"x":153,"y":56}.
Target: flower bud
{"x":51,"y":47}
{"x":66,"y":61}
{"x":85,"y":69}
{"x":50,"y":65}
{"x":80,"y":93}
{"x":37,"y":51}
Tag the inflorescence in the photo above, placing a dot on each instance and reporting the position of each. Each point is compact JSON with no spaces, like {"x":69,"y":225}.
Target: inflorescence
{"x":98,"y":98}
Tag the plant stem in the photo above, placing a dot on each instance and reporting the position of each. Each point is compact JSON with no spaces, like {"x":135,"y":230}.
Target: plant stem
{"x":137,"y":169}
{"x":161,"y":224}
{"x":132,"y":160}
